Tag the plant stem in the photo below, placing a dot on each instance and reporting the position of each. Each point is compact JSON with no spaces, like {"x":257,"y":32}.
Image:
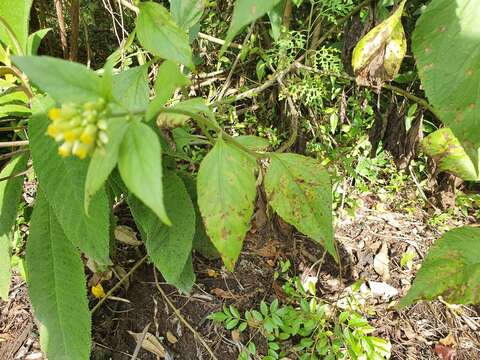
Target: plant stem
{"x":5,"y":144}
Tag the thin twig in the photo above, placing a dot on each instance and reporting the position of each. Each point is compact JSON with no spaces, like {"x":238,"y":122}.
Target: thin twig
{"x":119,"y":283}
{"x":5,"y":144}
{"x":218,"y":41}
{"x":226,"y":84}
{"x":13,"y":153}
{"x":140,"y":342}
{"x":181,"y":318}
{"x":15,"y":175}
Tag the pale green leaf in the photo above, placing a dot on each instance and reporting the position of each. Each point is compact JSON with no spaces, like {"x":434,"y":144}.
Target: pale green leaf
{"x":169,"y":247}
{"x":16,"y":96}
{"x":34,"y":41}
{"x":10,"y":191}
{"x":226,"y":193}
{"x":186,"y":13}
{"x":64,"y":81}
{"x":299,"y":190}
{"x":140,"y":165}
{"x":446,"y":45}
{"x":169,"y":77}
{"x":447,"y":151}
{"x":13,"y":110}
{"x":276,"y":18}
{"x":63,"y":181}
{"x":252,"y":142}
{"x":16,"y":14}
{"x":104,"y":159}
{"x":56,"y":285}
{"x":158,"y":33}
{"x":451,"y":270}
{"x":245,"y":12}
{"x":130,"y":88}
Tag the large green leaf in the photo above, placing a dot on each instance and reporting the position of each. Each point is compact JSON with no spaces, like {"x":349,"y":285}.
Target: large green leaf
{"x":451,"y":270}
{"x":63,"y":180}
{"x":140,"y":165}
{"x":226,"y":193}
{"x":158,"y":33}
{"x":445,"y":148}
{"x":130,"y":88}
{"x":16,"y":14}
{"x":34,"y":41}
{"x":65,"y":81}
{"x":299,"y":190}
{"x":201,"y":241}
{"x":169,"y":77}
{"x":446,"y":45}
{"x":245,"y":12}
{"x":104,"y":159}
{"x":56,"y":285}
{"x":10,"y":191}
{"x":169,"y":247}
{"x":186,"y":13}
{"x":276,"y":17}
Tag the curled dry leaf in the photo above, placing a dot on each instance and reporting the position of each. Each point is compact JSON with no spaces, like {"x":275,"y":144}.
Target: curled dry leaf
{"x":172,"y":339}
{"x":126,"y":235}
{"x":379,"y":54}
{"x":150,"y":343}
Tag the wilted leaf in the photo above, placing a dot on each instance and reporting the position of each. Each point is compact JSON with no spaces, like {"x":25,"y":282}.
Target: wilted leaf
{"x":379,"y":54}
{"x":446,"y":150}
{"x":451,"y":269}
{"x":150,"y":343}
{"x":381,"y":261}
{"x":445,"y":352}
{"x":126,"y":235}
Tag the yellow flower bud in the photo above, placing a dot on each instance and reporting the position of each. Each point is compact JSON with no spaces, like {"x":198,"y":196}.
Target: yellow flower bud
{"x":55,"y":114}
{"x":103,"y":137}
{"x":88,"y":135}
{"x":73,"y":134}
{"x":97,"y":291}
{"x":53,"y":130}
{"x":65,"y":149}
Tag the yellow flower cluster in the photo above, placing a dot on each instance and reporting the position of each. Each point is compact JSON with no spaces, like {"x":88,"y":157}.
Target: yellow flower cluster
{"x":79,"y":128}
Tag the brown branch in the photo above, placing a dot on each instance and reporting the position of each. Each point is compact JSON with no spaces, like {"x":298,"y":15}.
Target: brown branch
{"x":75,"y":18}
{"x":62,"y":26}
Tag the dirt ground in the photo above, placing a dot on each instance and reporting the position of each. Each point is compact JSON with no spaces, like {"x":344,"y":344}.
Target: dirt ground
{"x":414,"y":332}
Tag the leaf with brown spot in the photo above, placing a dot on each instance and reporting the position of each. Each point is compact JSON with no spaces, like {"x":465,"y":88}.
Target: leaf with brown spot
{"x":451,"y":269}
{"x":226,"y":194}
{"x":446,"y":45}
{"x":445,"y":352}
{"x":447,"y":151}
{"x":298,"y":188}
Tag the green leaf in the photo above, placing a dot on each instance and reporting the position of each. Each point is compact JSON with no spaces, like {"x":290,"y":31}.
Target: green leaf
{"x":186,"y":13}
{"x":130,"y":88}
{"x":169,"y":77}
{"x":187,"y":277}
{"x":276,"y":17}
{"x":35,"y":39}
{"x":104,"y":160}
{"x":140,"y":165}
{"x":65,"y":81}
{"x":201,"y":241}
{"x":158,"y":33}
{"x":451,"y":270}
{"x":245,"y":12}
{"x":16,"y":96}
{"x":445,"y":149}
{"x":10,"y":192}
{"x":169,"y":247}
{"x":12,"y":109}
{"x":226,"y":193}
{"x":446,"y":32}
{"x":299,"y":190}
{"x":252,"y":142}
{"x":63,"y":181}
{"x":56,"y":285}
{"x":16,"y":14}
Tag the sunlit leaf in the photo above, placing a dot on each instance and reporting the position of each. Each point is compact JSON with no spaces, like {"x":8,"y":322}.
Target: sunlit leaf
{"x":451,"y":269}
